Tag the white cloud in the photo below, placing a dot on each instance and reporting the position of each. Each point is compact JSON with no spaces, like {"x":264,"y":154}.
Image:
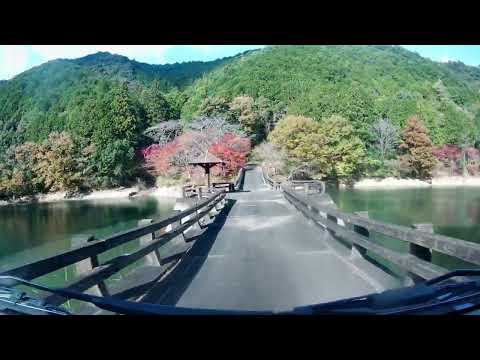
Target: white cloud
{"x":13,"y":60}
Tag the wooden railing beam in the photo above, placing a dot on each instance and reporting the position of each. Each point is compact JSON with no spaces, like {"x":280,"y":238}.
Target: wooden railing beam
{"x":52,"y":263}
{"x":458,"y":248}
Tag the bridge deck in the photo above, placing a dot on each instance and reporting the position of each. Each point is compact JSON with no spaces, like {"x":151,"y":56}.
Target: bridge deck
{"x":262,"y":254}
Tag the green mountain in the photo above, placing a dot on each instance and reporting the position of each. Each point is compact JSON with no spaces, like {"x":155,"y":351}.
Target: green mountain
{"x":362,"y":83}
{"x":104,"y":103}
{"x":57,"y":95}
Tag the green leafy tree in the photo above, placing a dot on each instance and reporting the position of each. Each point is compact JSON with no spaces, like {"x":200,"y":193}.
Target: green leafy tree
{"x":330,"y":146}
{"x":116,"y":138}
{"x":156,"y":106}
{"x":417,"y":148}
{"x":55,"y":163}
{"x":290,"y":133}
{"x":334,"y":149}
{"x":175,"y":99}
{"x":243,"y":109}
{"x":215,"y":106}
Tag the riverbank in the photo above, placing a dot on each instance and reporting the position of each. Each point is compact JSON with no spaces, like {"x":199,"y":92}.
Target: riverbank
{"x":119,"y":193}
{"x":395,"y":183}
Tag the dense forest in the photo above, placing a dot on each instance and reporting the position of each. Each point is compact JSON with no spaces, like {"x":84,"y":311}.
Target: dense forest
{"x":92,"y":113}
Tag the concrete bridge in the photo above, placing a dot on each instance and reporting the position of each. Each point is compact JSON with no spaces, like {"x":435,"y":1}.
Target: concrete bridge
{"x":262,"y":254}
{"x":261,"y":247}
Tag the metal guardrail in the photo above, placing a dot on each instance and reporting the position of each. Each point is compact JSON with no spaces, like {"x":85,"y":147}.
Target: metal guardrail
{"x":355,"y":229}
{"x":162,"y":231}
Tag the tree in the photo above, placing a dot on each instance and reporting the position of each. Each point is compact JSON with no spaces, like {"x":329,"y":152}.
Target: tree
{"x":330,"y":146}
{"x":56,"y":163}
{"x":156,"y":106}
{"x":271,"y":156}
{"x":208,"y":130}
{"x":232,"y":150}
{"x":175,"y":99}
{"x":244,"y":109}
{"x":215,"y":106}
{"x":204,"y":134}
{"x":449,"y":157}
{"x":386,"y":137}
{"x":116,"y":138}
{"x":290,"y":132}
{"x":158,"y":157}
{"x":163,"y":132}
{"x":334,"y":149}
{"x":417,"y":149}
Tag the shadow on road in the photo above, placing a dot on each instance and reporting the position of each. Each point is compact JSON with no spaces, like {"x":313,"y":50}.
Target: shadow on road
{"x":171,"y":289}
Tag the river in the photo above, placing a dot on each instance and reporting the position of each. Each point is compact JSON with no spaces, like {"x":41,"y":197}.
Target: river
{"x":453,"y":212}
{"x":32,"y":231}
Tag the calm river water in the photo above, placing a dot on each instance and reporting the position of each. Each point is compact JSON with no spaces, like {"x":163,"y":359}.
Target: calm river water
{"x":29,"y":232}
{"x":452,"y":211}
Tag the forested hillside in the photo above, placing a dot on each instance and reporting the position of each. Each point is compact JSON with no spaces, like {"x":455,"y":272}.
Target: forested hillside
{"x":92,"y":112}
{"x":60,"y":94}
{"x":361,"y":83}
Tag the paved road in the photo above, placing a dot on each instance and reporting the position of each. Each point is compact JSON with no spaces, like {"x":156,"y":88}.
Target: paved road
{"x":262,"y":254}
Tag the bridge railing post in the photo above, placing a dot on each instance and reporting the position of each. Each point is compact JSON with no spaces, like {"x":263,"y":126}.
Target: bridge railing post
{"x":154,"y":257}
{"x":419,"y":251}
{"x":89,"y":264}
{"x":358,"y":250}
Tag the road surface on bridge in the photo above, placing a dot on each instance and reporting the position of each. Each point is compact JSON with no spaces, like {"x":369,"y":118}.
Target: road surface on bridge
{"x":262,"y":254}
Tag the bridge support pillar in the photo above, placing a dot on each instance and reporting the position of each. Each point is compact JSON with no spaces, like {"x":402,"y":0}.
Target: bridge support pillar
{"x":154,"y":257}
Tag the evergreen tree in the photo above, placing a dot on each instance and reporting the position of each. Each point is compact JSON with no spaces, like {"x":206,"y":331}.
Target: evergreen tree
{"x":417,"y":149}
{"x":156,"y":107}
{"x":116,"y":138}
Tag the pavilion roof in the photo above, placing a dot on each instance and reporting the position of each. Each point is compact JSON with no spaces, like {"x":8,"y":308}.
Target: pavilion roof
{"x":206,"y":158}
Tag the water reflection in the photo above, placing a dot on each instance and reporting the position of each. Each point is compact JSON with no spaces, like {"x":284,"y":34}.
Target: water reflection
{"x":28,"y":232}
{"x":453,"y":212}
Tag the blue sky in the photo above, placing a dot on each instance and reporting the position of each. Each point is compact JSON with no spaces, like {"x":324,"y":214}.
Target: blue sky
{"x":15,"y":59}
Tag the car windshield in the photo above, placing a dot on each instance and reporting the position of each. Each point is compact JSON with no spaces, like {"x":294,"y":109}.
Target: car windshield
{"x":278,"y":180}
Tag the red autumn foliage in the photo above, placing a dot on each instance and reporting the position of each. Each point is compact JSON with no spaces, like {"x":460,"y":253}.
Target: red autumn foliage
{"x":157,"y":158}
{"x":232,"y":150}
{"x":171,"y":158}
{"x":451,"y":157}
{"x":447,"y":153}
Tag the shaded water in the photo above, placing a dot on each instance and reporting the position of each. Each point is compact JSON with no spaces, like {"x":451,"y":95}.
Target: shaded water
{"x":453,"y":212}
{"x":33,"y":231}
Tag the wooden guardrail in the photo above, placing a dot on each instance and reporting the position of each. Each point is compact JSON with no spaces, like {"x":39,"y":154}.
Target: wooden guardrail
{"x":272,"y":183}
{"x":191,"y":191}
{"x":308,"y":186}
{"x":161,"y":232}
{"x":355,"y":229}
{"x":239,"y":179}
{"x":227,"y":186}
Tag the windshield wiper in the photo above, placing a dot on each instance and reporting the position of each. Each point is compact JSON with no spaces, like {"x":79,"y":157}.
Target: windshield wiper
{"x":436,"y":296}
{"x":431,"y":297}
